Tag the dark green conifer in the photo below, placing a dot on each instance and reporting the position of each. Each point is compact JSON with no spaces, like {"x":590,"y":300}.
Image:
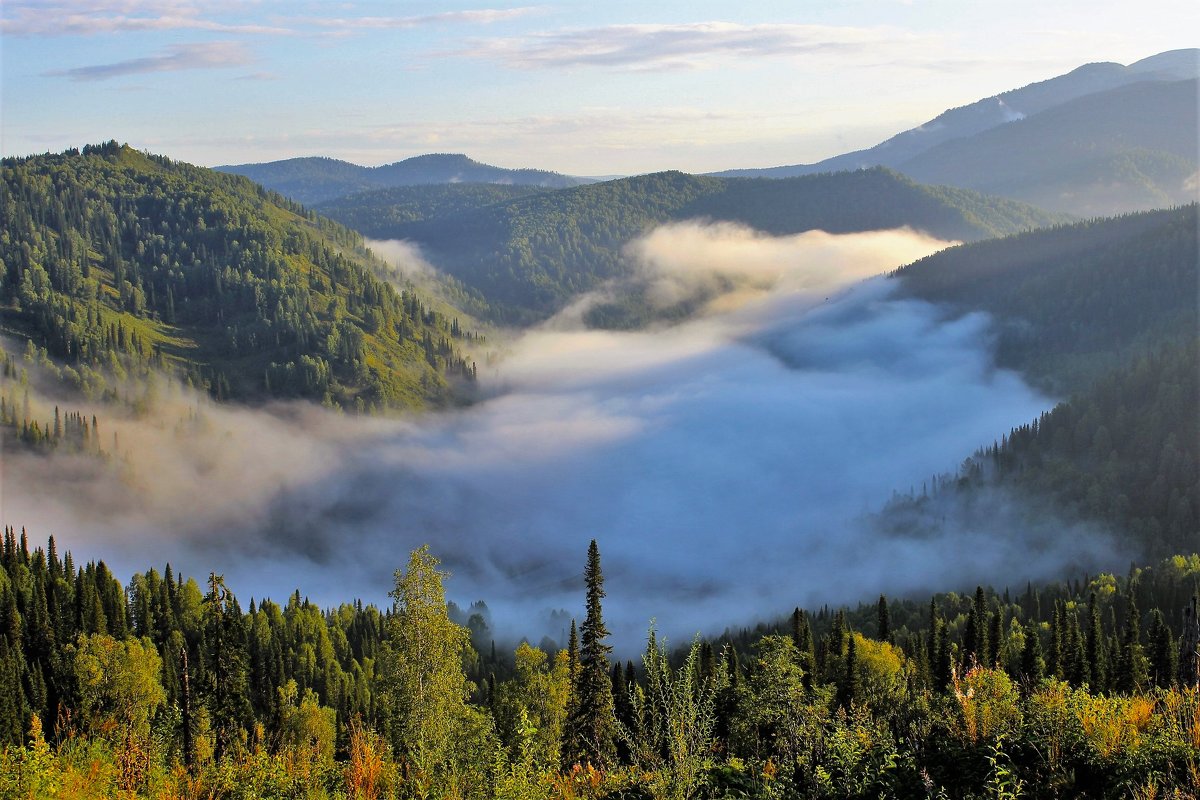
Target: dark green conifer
{"x":883,"y":620}
{"x":592,"y":728}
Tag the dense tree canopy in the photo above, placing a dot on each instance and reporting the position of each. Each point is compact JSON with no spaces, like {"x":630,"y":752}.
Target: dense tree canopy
{"x":119,"y":260}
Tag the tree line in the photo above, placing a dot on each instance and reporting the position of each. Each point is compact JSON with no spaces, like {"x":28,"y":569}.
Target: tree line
{"x":164,"y":685}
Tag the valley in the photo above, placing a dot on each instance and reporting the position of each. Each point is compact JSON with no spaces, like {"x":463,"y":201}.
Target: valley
{"x":904,"y":442}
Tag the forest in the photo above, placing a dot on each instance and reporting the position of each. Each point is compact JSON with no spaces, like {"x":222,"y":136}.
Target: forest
{"x":529,"y":255}
{"x":166,"y":687}
{"x":118,"y":261}
{"x":119,"y":268}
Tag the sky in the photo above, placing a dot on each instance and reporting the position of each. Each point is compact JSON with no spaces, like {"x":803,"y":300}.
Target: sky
{"x":582,"y":88}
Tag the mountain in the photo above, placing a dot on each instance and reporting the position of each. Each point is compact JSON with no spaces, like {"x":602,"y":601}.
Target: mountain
{"x":117,"y":261}
{"x":1104,"y":313}
{"x":313,"y":180}
{"x":1075,"y":301}
{"x":1132,"y":170}
{"x":1128,"y":148}
{"x":530,"y":255}
{"x":389,"y":213}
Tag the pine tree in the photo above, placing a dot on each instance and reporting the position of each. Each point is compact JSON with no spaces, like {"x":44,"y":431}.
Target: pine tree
{"x":1097,"y":654}
{"x":226,"y":666}
{"x":591,"y":732}
{"x":849,"y":685}
{"x":802,"y":637}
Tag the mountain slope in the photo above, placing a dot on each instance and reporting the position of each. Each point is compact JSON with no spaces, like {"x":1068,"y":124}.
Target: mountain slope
{"x":116,"y":258}
{"x":1102,"y":312}
{"x":1105,"y":153}
{"x":530,"y":255}
{"x":391,"y":213}
{"x":1093,"y":174}
{"x":1077,"y":300}
{"x":314,"y":180}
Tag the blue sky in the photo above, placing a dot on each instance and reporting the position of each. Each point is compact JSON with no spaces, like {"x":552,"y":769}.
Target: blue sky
{"x":579,"y":87}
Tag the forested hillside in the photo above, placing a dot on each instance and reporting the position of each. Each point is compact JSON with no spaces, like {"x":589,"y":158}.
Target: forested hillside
{"x":530,"y":255}
{"x":121,"y":261}
{"x":398,"y":213}
{"x":1074,"y":301}
{"x":168,"y":687}
{"x":1103,"y":313}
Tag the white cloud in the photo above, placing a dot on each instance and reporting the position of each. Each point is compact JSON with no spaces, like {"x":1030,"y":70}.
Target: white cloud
{"x":95,"y":17}
{"x":203,"y":55}
{"x":690,"y":45}
{"x":726,"y":467}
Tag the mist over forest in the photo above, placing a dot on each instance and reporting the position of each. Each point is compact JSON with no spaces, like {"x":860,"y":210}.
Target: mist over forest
{"x":330,"y":482}
{"x":731,"y":466}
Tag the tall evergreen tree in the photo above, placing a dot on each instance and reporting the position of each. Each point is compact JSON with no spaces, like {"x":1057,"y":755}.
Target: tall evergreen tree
{"x":592,"y":729}
{"x":1033,"y":666}
{"x":1162,"y":653}
{"x":883,"y":620}
{"x":226,"y":666}
{"x":1132,"y":669}
{"x":1097,"y":654}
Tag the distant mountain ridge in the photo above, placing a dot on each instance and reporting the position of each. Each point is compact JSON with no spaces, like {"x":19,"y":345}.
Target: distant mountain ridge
{"x":1129,"y":148}
{"x":529,"y":254}
{"x":963,"y":125}
{"x":317,"y":179}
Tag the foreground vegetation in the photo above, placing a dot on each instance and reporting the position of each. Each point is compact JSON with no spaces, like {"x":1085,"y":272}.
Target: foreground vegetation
{"x":164,"y":689}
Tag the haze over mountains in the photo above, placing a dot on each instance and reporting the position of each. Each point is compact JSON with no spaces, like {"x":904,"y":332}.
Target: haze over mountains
{"x":1102,"y":139}
{"x":532,"y":254}
{"x":312,"y":180}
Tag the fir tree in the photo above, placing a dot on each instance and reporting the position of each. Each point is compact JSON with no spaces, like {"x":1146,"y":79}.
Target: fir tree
{"x":592,"y":729}
{"x":883,"y":620}
{"x":1132,"y":669}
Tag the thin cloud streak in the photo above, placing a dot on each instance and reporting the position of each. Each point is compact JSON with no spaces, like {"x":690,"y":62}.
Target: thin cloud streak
{"x":97,"y":17}
{"x":205,"y":55}
{"x":683,"y":46}
{"x":481,"y":16}
{"x":104,"y":17}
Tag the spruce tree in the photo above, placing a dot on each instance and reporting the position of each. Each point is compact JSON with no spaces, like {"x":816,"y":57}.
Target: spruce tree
{"x":592,"y":728}
{"x":226,"y":666}
{"x":884,"y":620}
{"x":849,"y":685}
{"x":1132,"y":669}
{"x":1162,"y":654}
{"x":1033,"y":666}
{"x":1096,"y":652}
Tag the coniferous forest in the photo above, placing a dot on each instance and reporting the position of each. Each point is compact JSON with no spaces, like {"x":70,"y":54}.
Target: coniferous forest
{"x":116,"y":259}
{"x":166,"y":686}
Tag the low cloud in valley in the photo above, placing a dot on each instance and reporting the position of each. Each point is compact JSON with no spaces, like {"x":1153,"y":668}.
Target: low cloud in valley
{"x":730,"y":467}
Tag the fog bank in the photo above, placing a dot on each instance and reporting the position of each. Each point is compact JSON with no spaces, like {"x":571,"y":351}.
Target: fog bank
{"x":729,"y":467}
